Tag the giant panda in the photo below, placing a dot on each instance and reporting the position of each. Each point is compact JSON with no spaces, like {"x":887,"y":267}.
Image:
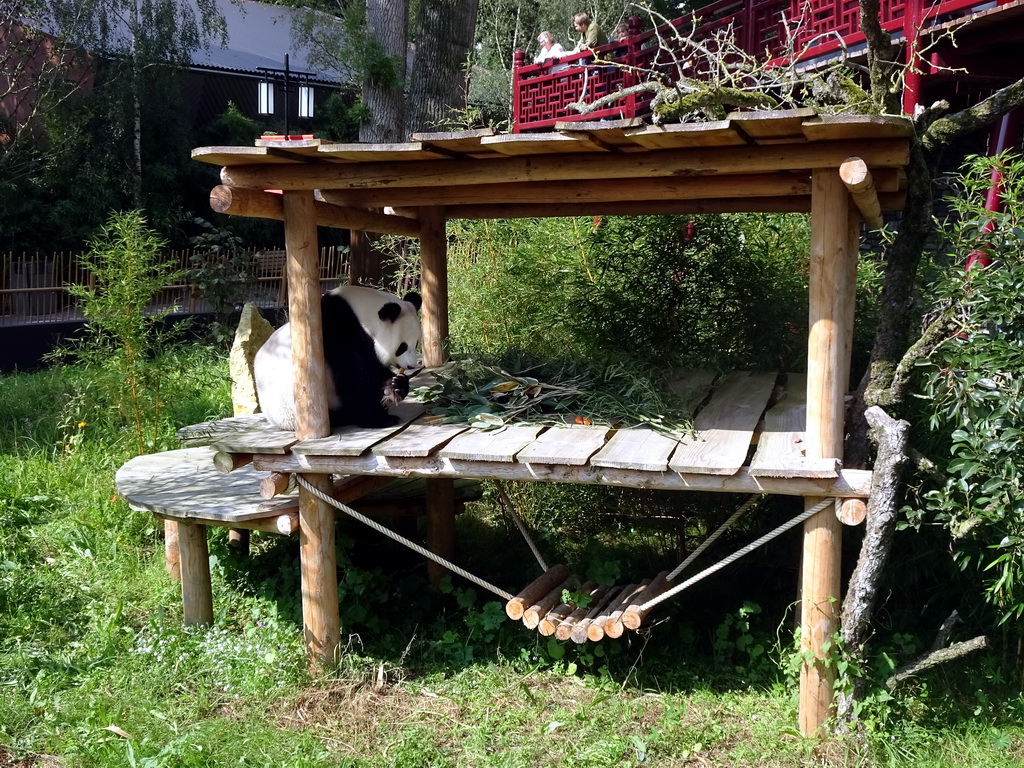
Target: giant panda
{"x":366,"y":333}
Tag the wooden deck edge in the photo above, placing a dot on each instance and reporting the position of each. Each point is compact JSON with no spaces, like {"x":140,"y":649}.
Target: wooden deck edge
{"x":851,"y":483}
{"x":286,"y":523}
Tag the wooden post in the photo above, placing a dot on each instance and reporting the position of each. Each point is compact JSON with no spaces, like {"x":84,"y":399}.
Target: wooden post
{"x":832,"y":286}
{"x":434,"y":287}
{"x":196,"y":593}
{"x":320,"y":617}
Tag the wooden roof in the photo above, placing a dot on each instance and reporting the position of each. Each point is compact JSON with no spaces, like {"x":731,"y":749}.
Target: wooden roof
{"x":751,"y":161}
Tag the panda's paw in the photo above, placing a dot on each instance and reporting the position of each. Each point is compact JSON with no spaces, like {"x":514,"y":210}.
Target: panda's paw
{"x":396,"y":389}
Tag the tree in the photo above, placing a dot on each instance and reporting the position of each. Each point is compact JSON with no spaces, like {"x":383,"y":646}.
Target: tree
{"x":135,"y":36}
{"x":445,"y":36}
{"x":886,"y":383}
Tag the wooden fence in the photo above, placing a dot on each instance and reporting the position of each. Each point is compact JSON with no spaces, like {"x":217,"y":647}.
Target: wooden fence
{"x":33,"y":286}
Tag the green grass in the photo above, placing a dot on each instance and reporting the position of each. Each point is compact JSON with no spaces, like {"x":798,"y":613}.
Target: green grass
{"x":96,"y":668}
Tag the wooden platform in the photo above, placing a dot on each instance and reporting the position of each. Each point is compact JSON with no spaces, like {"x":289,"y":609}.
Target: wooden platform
{"x":748,"y":437}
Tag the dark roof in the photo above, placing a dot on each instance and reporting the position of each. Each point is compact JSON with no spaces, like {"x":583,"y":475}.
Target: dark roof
{"x":260,"y":35}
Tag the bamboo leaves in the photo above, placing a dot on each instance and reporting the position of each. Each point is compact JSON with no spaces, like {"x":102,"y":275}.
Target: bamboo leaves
{"x":488,"y":396}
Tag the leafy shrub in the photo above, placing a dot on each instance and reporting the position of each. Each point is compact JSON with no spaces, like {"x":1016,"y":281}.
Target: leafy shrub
{"x":718,"y":291}
{"x":122,"y":331}
{"x":974,"y":391}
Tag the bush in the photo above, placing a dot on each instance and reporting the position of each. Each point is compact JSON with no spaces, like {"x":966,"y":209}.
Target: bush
{"x":973,"y":409}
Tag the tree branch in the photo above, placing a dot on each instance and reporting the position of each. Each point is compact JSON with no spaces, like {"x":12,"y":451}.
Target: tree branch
{"x":945,"y":130}
{"x":934,"y":658}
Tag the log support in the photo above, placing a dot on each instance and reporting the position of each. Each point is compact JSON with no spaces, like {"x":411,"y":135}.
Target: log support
{"x":833,"y":266}
{"x":196,"y":593}
{"x":434,"y":285}
{"x":320,"y":616}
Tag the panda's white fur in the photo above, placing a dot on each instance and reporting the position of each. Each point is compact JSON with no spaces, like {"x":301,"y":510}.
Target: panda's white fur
{"x":359,"y":353}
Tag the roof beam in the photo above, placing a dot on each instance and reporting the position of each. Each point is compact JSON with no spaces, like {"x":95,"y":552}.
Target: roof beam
{"x":881,"y":153}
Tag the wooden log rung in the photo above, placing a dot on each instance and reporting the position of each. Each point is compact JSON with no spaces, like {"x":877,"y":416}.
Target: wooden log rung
{"x":581,"y":632}
{"x":564,"y":630}
{"x":533,"y":614}
{"x":560,"y":612}
{"x":634,"y":615}
{"x":609,"y":613}
{"x":536,"y":589}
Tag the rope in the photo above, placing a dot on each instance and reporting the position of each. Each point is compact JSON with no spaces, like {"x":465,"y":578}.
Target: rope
{"x":710,"y":539}
{"x":402,"y":540}
{"x":507,"y":503}
{"x":737,"y":555}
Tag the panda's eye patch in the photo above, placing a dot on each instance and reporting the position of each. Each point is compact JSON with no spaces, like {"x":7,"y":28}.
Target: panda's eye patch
{"x":402,"y":349}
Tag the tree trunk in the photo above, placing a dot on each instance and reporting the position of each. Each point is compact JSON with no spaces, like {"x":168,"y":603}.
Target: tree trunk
{"x":883,"y":507}
{"x":444,"y":39}
{"x":384,"y":89}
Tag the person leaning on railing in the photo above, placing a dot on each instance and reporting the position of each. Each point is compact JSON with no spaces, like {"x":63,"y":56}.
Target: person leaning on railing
{"x":549,"y":48}
{"x":591,"y":34}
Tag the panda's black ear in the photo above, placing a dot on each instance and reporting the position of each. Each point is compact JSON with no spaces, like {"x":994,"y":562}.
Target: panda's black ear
{"x":389,"y":312}
{"x":413,"y":298}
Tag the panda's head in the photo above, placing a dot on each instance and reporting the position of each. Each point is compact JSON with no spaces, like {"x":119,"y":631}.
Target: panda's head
{"x":391,"y":322}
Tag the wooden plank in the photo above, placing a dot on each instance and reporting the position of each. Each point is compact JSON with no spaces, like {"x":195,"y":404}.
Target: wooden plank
{"x":780,"y":448}
{"x":845,"y":127}
{"x":725,"y":426}
{"x":499,"y":445}
{"x":353,"y":441}
{"x":184,"y":484}
{"x":539,"y":144}
{"x":607,"y":133}
{"x":357,"y":153}
{"x":239,"y":156}
{"x":419,"y":439}
{"x":459,"y":142}
{"x":640,"y":448}
{"x":239,"y":434}
{"x":690,"y":387}
{"x":850,"y":483}
{"x":718,"y":133}
{"x":571,"y":445}
{"x":782,"y":126}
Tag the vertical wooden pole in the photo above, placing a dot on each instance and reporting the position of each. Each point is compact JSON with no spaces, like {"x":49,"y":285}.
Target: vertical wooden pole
{"x":320,"y":617}
{"x":196,"y":592}
{"x":832,"y":289}
{"x":434,"y":286}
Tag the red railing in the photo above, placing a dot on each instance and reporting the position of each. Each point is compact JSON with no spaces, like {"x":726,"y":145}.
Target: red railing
{"x":542,"y":93}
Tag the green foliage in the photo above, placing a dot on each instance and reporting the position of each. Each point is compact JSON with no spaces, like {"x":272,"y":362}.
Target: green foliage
{"x":590,"y":290}
{"x":557,"y":392}
{"x":124,"y":260}
{"x":96,"y":669}
{"x":973,"y":389}
{"x":223,"y":272}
